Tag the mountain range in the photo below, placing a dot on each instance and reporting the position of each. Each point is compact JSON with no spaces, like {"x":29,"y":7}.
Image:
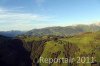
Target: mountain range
{"x":57,"y":30}
{"x":27,"y":50}
{"x":63,"y":31}
{"x":12,"y":33}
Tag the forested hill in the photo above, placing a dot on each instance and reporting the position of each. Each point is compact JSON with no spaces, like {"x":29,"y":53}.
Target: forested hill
{"x":62,"y":31}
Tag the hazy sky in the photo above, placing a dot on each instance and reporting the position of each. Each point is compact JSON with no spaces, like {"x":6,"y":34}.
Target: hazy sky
{"x":30,"y":14}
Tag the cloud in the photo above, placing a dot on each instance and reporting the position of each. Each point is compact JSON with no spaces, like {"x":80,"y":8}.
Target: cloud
{"x":7,"y":16}
{"x":18,"y":16}
{"x":19,"y":21}
{"x":2,"y":10}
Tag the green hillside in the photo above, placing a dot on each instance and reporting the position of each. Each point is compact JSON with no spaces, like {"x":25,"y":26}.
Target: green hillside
{"x":84,"y":48}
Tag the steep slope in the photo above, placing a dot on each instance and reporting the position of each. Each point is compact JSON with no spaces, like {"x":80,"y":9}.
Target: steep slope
{"x":82,"y":45}
{"x":13,"y":53}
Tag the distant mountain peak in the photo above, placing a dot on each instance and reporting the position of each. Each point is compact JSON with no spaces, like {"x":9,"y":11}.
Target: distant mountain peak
{"x":97,"y":23}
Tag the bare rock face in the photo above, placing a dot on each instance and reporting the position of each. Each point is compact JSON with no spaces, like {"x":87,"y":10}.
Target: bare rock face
{"x":12,"y":53}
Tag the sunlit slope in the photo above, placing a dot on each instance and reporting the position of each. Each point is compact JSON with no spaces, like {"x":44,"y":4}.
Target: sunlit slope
{"x":49,"y":46}
{"x":87,"y":42}
{"x":83,"y":45}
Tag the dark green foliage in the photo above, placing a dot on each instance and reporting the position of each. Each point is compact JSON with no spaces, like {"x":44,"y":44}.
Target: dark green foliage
{"x":69,"y":51}
{"x":36,"y":52}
